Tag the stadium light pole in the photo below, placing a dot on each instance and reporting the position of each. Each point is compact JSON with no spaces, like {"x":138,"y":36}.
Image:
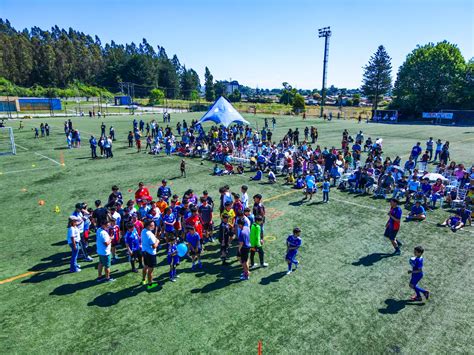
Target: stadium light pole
{"x":326,"y":33}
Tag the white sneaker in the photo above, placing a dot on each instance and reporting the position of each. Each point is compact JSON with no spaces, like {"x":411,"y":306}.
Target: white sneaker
{"x":289,"y":272}
{"x":253,"y":267}
{"x":264,"y":265}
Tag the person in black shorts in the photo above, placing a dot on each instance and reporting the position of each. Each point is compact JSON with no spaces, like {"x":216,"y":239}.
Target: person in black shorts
{"x":244,"y":248}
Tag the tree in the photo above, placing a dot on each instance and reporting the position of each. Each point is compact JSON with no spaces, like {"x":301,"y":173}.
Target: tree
{"x":209,"y":85}
{"x":298,"y":103}
{"x":287,"y":94}
{"x":220,"y":88}
{"x":432,"y":77}
{"x":156,"y":95}
{"x":377,"y":80}
{"x":235,"y":96}
{"x":356,"y":99}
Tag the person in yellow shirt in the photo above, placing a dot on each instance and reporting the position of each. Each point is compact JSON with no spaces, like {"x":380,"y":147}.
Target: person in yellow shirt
{"x":229,"y":212}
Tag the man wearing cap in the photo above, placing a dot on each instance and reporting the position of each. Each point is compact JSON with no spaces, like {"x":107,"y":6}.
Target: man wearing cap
{"x":78,"y":212}
{"x":164,"y":191}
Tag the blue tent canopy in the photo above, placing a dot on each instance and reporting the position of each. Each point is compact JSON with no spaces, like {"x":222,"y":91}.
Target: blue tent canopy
{"x":222,"y":112}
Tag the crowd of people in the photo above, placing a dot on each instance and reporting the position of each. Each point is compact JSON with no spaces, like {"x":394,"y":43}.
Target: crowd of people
{"x":144,"y":224}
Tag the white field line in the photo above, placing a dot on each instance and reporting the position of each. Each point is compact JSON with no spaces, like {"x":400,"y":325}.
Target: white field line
{"x":24,"y":148}
{"x":44,"y":156}
{"x":378,"y":209}
{"x":24,"y":170}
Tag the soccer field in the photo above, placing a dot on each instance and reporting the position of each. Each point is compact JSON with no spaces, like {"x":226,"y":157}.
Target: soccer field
{"x":349,"y":295}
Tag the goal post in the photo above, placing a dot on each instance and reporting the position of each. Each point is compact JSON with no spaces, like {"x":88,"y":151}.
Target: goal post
{"x":7,"y":141}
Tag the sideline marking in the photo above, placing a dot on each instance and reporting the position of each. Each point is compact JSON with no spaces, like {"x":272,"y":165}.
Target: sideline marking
{"x":10,"y":279}
{"x":44,"y":156}
{"x":22,"y":171}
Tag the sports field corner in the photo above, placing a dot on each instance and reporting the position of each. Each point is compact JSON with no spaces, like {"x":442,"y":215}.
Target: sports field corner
{"x":349,"y":295}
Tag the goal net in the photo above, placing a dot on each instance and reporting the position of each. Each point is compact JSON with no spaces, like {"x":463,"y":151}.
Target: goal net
{"x":7,"y":141}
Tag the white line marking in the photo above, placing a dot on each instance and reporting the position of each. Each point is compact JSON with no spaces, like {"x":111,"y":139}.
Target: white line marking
{"x":44,"y":156}
{"x":21,"y":171}
{"x":378,"y":209}
{"x":21,"y":146}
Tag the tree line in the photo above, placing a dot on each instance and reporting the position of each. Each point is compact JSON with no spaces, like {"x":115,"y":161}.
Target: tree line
{"x":433,"y":77}
{"x":68,"y":58}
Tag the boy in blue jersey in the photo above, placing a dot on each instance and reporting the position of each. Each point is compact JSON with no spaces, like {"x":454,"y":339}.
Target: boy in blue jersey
{"x":417,"y":212}
{"x":133,"y":243}
{"x":416,"y":263}
{"x":169,"y":219}
{"x":293,"y":242}
{"x":194,"y":246}
{"x":393,"y":224}
{"x":326,"y":188}
{"x":173,"y":258}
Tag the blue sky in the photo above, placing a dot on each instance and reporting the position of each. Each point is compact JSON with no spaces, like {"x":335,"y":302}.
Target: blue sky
{"x":263,"y":42}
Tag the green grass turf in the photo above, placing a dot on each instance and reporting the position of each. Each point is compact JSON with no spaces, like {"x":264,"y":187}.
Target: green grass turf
{"x":347,"y":297}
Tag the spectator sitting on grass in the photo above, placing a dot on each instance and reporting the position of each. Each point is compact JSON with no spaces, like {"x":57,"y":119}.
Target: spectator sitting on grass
{"x":417,"y":212}
{"x":453,"y":222}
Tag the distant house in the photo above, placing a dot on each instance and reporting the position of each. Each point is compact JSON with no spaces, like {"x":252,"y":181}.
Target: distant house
{"x":231,"y":86}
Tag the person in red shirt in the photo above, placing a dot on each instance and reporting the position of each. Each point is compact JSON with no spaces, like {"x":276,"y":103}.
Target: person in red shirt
{"x":114,"y":232}
{"x":195,"y":221}
{"x":142,"y":193}
{"x":137,"y":223}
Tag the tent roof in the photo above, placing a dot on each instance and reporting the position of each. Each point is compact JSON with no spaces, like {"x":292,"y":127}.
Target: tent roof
{"x":222,"y":112}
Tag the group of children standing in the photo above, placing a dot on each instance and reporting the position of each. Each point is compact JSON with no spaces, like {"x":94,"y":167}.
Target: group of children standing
{"x":181,"y":226}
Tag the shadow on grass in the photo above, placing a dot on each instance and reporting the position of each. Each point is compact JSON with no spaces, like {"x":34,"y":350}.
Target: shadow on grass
{"x":68,"y":289}
{"x":272,"y":278}
{"x":371,"y":259}
{"x":394,"y":306}
{"x":226,"y":276}
{"x":109,"y":299}
{"x":60,"y":243}
{"x":297,"y":203}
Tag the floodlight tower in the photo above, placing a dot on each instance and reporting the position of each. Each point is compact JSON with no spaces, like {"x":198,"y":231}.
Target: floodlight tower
{"x":326,"y":33}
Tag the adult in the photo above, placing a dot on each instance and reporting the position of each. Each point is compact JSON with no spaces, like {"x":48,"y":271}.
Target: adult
{"x":149,"y":245}
{"x":104,"y":244}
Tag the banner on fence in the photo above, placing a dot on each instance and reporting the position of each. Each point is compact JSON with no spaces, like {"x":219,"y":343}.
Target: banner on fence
{"x":442,"y":115}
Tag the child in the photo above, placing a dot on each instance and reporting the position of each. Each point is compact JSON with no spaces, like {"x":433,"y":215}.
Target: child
{"x":326,"y":188}
{"x":114,"y":232}
{"x":416,"y":263}
{"x":169,"y":220}
{"x":182,"y":168}
{"x":173,"y":258}
{"x":256,"y":241}
{"x":244,"y":197}
{"x":417,"y":212}
{"x":244,"y":248}
{"x":73,"y":239}
{"x":225,"y":235}
{"x":133,"y":243}
{"x":205,"y":212}
{"x":310,"y":182}
{"x":194,"y":245}
{"x":271,"y":177}
{"x":393,"y":225}
{"x":293,"y":242}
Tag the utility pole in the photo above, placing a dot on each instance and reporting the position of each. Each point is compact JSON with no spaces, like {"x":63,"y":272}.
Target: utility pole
{"x":326,"y":33}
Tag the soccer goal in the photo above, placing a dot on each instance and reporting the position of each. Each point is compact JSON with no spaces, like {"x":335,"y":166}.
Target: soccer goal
{"x":7,"y":141}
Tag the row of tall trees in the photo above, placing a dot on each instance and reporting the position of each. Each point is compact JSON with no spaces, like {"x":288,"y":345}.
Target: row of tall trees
{"x":433,"y":77}
{"x":57,"y":58}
